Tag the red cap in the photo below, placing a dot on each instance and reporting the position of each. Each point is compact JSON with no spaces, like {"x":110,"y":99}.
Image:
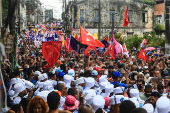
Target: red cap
{"x":98,"y":69}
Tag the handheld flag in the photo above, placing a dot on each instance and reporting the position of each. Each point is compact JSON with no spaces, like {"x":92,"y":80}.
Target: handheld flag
{"x":88,"y":49}
{"x":143,"y":43}
{"x":110,"y":51}
{"x":117,"y":45}
{"x":51,"y":51}
{"x":124,"y":50}
{"x":142,"y":55}
{"x":126,"y":21}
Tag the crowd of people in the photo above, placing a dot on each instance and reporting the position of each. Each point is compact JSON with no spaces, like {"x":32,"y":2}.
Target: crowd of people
{"x":85,"y":84}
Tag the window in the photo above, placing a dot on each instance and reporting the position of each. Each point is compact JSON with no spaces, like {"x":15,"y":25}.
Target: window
{"x":81,"y":15}
{"x":96,"y":15}
{"x":129,"y":34}
{"x":130,"y":16}
{"x":114,"y":19}
{"x":145,"y":16}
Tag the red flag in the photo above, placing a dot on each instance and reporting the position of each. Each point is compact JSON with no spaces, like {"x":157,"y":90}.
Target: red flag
{"x":67,"y":45}
{"x":142,"y":55}
{"x":87,"y":52}
{"x":126,"y":21}
{"x":106,"y":39}
{"x":87,"y":38}
{"x":51,"y":51}
{"x":124,"y":51}
{"x":56,"y":31}
{"x":110,"y":51}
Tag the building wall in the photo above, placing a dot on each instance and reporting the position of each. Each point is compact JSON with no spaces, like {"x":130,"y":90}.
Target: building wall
{"x":137,"y":26}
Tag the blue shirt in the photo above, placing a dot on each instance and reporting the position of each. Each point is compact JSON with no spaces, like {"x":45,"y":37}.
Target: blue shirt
{"x":120,"y":84}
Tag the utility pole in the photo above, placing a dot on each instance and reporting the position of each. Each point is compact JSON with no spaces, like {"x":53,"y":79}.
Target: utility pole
{"x":99,"y":22}
{"x":0,"y":17}
{"x":84,"y":17}
{"x":74,"y":25}
{"x":112,"y":22}
{"x":65,"y":17}
{"x":37,"y":16}
{"x":18,"y":17}
{"x":167,"y":28}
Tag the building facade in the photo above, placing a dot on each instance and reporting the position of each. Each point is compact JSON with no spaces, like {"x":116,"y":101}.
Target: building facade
{"x":140,"y":15}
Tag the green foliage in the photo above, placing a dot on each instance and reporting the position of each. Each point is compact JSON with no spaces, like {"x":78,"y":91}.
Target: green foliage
{"x":151,"y":2}
{"x":159,"y":27}
{"x":133,"y":42}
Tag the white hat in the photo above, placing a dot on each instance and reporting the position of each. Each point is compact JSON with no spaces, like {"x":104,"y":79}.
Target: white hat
{"x":40,"y":77}
{"x":19,"y":87}
{"x":162,"y":105}
{"x":37,"y":73}
{"x":43,"y":94}
{"x":54,"y":82}
{"x":109,"y":88}
{"x":149,"y":108}
{"x":116,"y":99}
{"x":90,"y":91}
{"x":28,"y":84}
{"x":103,"y":78}
{"x":40,"y":84}
{"x":103,"y":84}
{"x":15,"y":81}
{"x":134,"y":93}
{"x":67,"y":80}
{"x":134,"y":100}
{"x":17,"y":100}
{"x":89,"y":98}
{"x":45,"y":75}
{"x":47,"y":84}
{"x":105,"y":72}
{"x":80,"y":80}
{"x":98,"y":102}
{"x":118,"y":90}
{"x":61,"y":82}
{"x":11,"y":93}
{"x":89,"y":83}
{"x":71,"y":72}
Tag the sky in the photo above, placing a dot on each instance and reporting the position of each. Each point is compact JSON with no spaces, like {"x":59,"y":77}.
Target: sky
{"x":56,"y":5}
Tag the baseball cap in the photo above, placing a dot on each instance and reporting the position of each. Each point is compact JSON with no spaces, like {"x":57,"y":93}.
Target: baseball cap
{"x":59,"y":62}
{"x":117,"y":74}
{"x":94,"y":72}
{"x":61,"y":74}
{"x":98,"y":69}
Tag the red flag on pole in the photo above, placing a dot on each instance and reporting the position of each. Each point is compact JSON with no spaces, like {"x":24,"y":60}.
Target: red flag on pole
{"x":87,"y":38}
{"x":110,"y":51}
{"x":126,"y":21}
{"x":51,"y":51}
{"x":87,"y":50}
{"x":142,"y":55}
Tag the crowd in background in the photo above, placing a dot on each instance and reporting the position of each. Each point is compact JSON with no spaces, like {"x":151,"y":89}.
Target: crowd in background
{"x":81,"y":84}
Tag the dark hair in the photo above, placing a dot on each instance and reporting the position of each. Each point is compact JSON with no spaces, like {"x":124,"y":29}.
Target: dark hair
{"x":127,"y":106}
{"x":59,"y":86}
{"x":72,"y":91}
{"x":29,"y":71}
{"x":53,"y":100}
{"x":87,"y":73}
{"x":17,"y":72}
{"x":155,"y":94}
{"x":139,"y":110}
{"x":99,"y":110}
{"x":16,"y":108}
{"x":140,"y":80}
{"x":148,"y":87}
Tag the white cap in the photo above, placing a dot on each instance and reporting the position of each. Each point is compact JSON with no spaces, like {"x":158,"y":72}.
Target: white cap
{"x":80,"y":80}
{"x":89,"y":98}
{"x":28,"y":84}
{"x":19,"y":87}
{"x":109,"y":88}
{"x":90,"y":91}
{"x":15,"y":81}
{"x":54,"y":82}
{"x":17,"y":100}
{"x":40,"y":84}
{"x":37,"y":73}
{"x":11,"y":93}
{"x":134,"y":93}
{"x":45,"y":75}
{"x":67,"y":80}
{"x":98,"y":102}
{"x":162,"y":105}
{"x":116,"y":99}
{"x":149,"y":108}
{"x":89,"y":83}
{"x":47,"y":85}
{"x":118,"y":90}
{"x":134,"y":100}
{"x":103,"y":78}
{"x":103,"y":84}
{"x":71,"y":72}
{"x":43,"y":94}
{"x":41,"y":77}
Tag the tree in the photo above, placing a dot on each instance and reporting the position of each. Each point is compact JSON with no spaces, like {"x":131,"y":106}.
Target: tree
{"x":8,"y":9}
